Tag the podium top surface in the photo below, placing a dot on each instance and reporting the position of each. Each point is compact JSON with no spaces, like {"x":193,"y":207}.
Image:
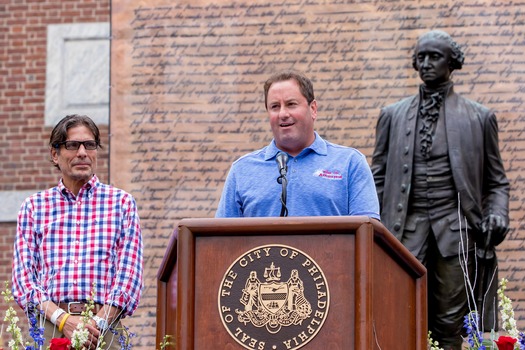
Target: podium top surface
{"x":301,"y":225}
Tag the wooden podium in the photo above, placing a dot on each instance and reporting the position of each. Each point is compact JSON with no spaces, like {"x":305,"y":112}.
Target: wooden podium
{"x":377,"y":289}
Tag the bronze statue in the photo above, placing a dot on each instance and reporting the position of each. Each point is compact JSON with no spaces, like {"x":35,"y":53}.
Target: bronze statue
{"x":441,"y":181}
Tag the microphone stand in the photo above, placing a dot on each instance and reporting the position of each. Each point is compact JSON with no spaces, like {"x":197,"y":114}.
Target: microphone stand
{"x":281,"y":159}
{"x":283,"y":181}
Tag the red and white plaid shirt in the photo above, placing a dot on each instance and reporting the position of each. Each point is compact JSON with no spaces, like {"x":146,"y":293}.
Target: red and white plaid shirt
{"x":67,"y":246}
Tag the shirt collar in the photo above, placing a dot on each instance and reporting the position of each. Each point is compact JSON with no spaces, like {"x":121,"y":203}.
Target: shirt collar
{"x":318,"y":146}
{"x":88,"y":186}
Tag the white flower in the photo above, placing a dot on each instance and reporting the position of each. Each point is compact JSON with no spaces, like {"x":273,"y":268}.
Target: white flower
{"x":507,"y":311}
{"x":80,"y":336}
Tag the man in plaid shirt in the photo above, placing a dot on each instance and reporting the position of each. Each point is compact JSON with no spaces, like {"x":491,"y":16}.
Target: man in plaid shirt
{"x":78,"y":242}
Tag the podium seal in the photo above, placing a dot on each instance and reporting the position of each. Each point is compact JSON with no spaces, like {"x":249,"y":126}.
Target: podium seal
{"x":273,"y":297}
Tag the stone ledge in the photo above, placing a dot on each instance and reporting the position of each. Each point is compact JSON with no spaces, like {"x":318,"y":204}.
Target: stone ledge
{"x":11,"y":202}
{"x":77,"y":72}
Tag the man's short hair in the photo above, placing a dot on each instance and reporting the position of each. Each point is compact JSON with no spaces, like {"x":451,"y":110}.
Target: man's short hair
{"x":305,"y":85}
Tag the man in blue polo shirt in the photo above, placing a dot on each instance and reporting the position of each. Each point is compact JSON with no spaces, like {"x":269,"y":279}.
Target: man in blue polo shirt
{"x":321,"y":178}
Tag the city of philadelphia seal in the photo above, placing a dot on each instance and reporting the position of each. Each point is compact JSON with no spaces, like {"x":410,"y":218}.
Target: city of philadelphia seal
{"x":273,"y":297}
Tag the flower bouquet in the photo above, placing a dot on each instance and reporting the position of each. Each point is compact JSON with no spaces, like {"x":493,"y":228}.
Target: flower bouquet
{"x":512,"y":340}
{"x":36,"y":321}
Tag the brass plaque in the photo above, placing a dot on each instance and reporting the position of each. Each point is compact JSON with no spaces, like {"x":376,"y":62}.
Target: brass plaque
{"x":273,"y":297}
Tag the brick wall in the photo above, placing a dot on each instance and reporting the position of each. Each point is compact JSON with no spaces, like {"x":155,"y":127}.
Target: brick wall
{"x":7,"y":232}
{"x":23,"y":138}
{"x":24,"y":155}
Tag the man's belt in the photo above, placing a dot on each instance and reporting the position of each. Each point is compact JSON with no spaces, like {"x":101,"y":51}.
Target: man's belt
{"x":77,"y":307}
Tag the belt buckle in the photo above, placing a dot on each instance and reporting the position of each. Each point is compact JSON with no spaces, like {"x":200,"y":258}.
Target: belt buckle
{"x":69,"y":308}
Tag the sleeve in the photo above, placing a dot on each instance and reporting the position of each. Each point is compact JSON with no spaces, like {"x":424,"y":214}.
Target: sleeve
{"x":127,"y":287}
{"x":230,"y":205}
{"x":362,"y":195}
{"x":26,"y":260}
{"x":496,"y":186}
{"x":380,"y":154}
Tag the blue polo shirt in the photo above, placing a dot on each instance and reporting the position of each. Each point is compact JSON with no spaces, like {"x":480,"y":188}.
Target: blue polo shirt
{"x":325,"y":179}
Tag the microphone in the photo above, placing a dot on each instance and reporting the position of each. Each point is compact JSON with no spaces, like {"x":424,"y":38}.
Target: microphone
{"x":281,"y":160}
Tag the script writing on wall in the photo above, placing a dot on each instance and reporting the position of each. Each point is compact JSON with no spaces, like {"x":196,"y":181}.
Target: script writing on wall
{"x":187,"y":94}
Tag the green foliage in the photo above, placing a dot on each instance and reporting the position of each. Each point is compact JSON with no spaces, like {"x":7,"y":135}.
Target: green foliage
{"x":165,"y":343}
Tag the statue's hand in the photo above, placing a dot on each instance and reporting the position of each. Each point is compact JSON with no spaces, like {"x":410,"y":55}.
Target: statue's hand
{"x":495,"y":227}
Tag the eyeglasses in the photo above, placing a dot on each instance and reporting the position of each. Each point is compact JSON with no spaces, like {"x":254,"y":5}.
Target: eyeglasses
{"x":89,"y":145}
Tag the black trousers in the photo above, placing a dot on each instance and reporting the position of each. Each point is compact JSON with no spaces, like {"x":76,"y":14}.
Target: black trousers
{"x":447,"y":278}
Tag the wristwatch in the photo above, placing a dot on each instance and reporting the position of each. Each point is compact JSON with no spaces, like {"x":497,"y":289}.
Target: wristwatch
{"x":101,"y":323}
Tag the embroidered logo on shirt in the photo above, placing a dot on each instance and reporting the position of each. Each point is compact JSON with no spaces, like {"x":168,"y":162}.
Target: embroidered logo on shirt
{"x":330,"y":175}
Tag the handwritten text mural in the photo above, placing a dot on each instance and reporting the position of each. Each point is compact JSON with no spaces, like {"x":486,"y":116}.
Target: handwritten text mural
{"x":187,"y":95}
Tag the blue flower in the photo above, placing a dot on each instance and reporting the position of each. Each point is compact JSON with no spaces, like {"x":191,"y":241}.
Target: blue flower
{"x":125,"y":338}
{"x":521,"y":340}
{"x":474,"y":335}
{"x":37,"y":333}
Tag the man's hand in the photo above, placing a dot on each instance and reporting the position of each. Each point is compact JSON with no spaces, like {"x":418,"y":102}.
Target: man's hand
{"x":71,"y":326}
{"x":495,"y":227}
